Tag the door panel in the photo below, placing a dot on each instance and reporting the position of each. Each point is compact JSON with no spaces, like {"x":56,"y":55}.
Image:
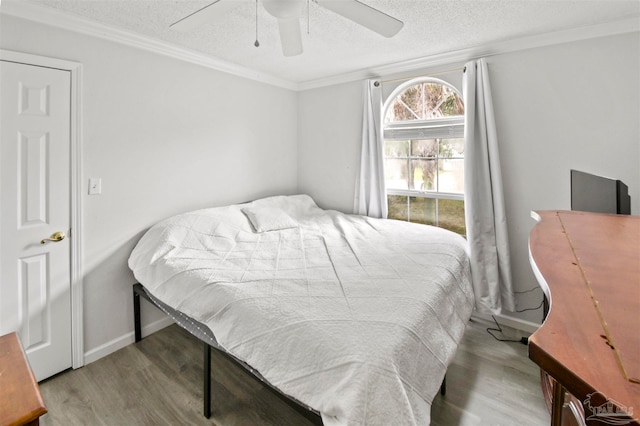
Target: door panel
{"x":35,"y":193}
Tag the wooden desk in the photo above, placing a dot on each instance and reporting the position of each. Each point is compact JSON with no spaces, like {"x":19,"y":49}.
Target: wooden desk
{"x":588,"y":265}
{"x":20,"y":400}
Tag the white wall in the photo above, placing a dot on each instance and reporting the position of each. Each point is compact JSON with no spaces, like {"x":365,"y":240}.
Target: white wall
{"x":330,"y":128}
{"x":574,"y":105}
{"x":165,"y":136}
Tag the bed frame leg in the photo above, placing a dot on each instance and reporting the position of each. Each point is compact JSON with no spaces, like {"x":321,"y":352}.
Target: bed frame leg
{"x":136,"y":314}
{"x":443,"y":386}
{"x":207,"y":380}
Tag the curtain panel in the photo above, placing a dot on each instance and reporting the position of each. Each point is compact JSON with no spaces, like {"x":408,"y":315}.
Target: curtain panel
{"x":371,"y":193}
{"x":483,"y":196}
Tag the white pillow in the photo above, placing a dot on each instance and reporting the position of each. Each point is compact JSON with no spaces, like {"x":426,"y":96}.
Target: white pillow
{"x":266,"y":219}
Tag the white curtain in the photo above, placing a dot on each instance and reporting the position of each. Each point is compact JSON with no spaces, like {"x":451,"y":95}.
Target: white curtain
{"x":371,"y":196}
{"x":483,"y":197}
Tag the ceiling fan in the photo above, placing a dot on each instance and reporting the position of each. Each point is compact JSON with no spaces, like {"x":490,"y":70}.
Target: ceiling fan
{"x":288,"y":13}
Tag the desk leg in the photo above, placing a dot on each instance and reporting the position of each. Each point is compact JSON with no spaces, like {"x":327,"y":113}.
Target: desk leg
{"x":556,"y":404}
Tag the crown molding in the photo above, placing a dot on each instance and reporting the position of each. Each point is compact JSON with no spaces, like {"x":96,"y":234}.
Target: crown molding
{"x":47,"y":16}
{"x":51,"y":17}
{"x":625,"y":26}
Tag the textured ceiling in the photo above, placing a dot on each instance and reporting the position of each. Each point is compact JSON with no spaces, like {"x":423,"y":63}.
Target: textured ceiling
{"x":334,"y":45}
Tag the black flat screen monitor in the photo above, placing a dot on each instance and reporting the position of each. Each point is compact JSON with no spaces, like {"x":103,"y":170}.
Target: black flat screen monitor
{"x":591,"y":193}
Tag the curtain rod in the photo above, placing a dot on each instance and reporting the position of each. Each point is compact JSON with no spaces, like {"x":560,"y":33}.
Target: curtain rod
{"x":379,"y":82}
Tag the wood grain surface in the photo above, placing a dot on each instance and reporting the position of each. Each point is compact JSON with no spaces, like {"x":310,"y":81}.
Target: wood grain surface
{"x":20,"y":399}
{"x":590,"y":340}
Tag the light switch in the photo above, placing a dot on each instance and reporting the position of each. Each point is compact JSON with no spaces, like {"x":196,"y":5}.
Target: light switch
{"x":95,"y":186}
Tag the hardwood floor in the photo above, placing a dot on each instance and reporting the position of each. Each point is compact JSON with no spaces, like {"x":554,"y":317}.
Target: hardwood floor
{"x":159,"y":382}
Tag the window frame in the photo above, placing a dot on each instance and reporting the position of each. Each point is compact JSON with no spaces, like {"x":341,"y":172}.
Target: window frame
{"x":436,"y":128}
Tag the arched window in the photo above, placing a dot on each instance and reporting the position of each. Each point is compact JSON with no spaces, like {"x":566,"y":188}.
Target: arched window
{"x":424,"y":153}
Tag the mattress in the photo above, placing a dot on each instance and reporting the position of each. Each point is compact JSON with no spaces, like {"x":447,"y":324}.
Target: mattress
{"x":357,"y":318}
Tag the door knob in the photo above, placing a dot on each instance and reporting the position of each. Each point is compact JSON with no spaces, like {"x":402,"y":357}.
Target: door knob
{"x":55,"y":237}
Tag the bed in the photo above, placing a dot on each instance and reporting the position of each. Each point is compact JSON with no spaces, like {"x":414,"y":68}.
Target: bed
{"x":354,"y":318}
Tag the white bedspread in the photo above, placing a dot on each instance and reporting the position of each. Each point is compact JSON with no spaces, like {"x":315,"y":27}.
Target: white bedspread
{"x":356,"y":317}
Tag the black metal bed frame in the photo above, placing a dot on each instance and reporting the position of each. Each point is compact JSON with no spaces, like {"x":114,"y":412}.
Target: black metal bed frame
{"x":203,"y":333}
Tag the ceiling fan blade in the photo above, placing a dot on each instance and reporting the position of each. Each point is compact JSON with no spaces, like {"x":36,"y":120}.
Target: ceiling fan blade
{"x":290,"y":36}
{"x":364,"y":15}
{"x":205,"y":15}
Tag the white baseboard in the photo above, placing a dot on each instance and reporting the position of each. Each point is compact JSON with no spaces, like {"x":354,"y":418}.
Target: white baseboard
{"x":125,"y":340}
{"x":526,"y":327}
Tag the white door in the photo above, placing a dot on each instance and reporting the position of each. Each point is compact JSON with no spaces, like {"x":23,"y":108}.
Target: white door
{"x":35,"y":279}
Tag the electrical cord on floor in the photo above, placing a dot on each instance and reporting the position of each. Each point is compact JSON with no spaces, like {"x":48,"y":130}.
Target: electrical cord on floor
{"x":490,"y":330}
{"x":522,"y":340}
